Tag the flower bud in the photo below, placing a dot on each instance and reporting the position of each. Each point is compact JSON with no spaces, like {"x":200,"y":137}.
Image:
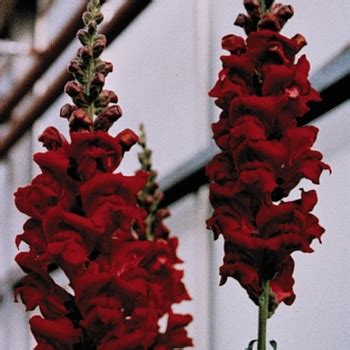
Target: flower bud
{"x":276,"y":18}
{"x":73,"y":88}
{"x":51,"y":138}
{"x":127,"y":139}
{"x":104,"y":67}
{"x":270,"y":21}
{"x":80,"y":100}
{"x":99,"y":46}
{"x":283,"y":12}
{"x":109,"y":67}
{"x":245,"y":22}
{"x":154,"y":186}
{"x":96,"y":86}
{"x":80,"y":121}
{"x":85,"y":53}
{"x":98,"y":80}
{"x":101,"y":37}
{"x":144,"y":159}
{"x":163,"y":213}
{"x":83,"y":36}
{"x":159,"y":195}
{"x":253,"y":7}
{"x":113,"y":98}
{"x":234,"y":44}
{"x":75,"y":68}
{"x":87,"y":17}
{"x":148,"y":200}
{"x":300,"y":42}
{"x":106,"y":97}
{"x":92,"y":27}
{"x":107,"y":118}
{"x":113,"y":112}
{"x":99,"y":17}
{"x":67,"y":110}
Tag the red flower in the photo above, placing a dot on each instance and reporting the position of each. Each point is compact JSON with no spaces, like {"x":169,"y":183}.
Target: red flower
{"x":109,"y":201}
{"x":282,"y":284}
{"x":97,"y":152}
{"x":33,"y":235}
{"x":175,"y":335}
{"x":264,"y":155}
{"x":270,"y":47}
{"x":51,"y":334}
{"x":92,"y":227}
{"x":52,"y":300}
{"x":89,"y":223}
{"x":36,"y":199}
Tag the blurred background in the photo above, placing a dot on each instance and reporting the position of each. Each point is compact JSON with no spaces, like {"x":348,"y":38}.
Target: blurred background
{"x":166,"y":58}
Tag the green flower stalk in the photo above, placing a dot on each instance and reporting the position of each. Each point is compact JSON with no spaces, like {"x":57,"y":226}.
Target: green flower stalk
{"x":150,"y":197}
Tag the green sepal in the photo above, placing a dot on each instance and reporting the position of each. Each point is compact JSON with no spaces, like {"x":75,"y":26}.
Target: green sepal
{"x":273,"y":344}
{"x":251,"y":344}
{"x":87,"y":17}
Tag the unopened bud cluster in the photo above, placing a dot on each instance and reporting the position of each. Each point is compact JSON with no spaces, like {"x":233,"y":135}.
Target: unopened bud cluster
{"x":274,"y":18}
{"x":150,"y":196}
{"x":89,"y":72}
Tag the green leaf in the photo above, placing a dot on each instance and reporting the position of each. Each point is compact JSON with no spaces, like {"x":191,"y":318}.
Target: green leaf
{"x":273,"y":344}
{"x":251,"y":344}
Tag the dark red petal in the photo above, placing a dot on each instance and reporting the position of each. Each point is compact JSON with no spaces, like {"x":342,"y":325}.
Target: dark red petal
{"x":233,"y":43}
{"x":59,"y":331}
{"x":282,"y":285}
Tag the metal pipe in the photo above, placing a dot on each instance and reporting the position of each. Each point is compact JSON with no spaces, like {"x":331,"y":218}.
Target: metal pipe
{"x":20,"y":125}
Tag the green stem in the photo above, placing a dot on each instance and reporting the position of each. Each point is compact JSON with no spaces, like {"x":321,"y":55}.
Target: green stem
{"x":89,"y":75}
{"x":263,"y":315}
{"x":265,"y":5}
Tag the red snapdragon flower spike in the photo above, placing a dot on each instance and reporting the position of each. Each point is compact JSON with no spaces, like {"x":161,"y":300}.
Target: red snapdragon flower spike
{"x":262,"y":90}
{"x":86,"y":219}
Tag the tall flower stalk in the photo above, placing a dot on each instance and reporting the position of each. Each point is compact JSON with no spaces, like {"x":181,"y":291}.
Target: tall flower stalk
{"x":164,"y":247}
{"x":262,"y":93}
{"x":88,"y":222}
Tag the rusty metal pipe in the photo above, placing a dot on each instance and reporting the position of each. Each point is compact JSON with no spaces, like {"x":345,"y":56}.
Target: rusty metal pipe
{"x":19,"y":126}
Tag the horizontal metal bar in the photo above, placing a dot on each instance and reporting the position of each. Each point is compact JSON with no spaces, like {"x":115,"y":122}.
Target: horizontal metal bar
{"x":333,"y":82}
{"x":337,"y":68}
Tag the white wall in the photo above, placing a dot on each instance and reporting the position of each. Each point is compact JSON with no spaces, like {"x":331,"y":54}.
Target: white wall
{"x":187,"y":222}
